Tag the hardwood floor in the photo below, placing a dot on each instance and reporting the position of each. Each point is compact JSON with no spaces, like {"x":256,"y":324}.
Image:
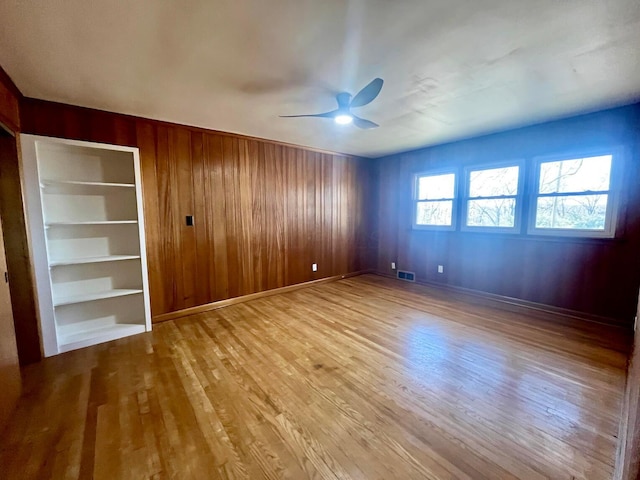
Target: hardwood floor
{"x":363,"y":378}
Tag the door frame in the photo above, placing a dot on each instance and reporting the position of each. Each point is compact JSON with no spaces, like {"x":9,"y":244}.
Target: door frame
{"x":627,"y":465}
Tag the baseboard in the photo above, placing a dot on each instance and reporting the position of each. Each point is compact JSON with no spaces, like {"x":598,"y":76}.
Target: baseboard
{"x":520,"y":303}
{"x":252,"y":296}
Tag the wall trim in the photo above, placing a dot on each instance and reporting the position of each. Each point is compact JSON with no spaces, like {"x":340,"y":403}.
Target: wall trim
{"x":252,"y":296}
{"x":451,"y":288}
{"x":541,"y":307}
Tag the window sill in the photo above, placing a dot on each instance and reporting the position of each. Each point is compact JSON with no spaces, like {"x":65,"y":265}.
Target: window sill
{"x":523,"y":237}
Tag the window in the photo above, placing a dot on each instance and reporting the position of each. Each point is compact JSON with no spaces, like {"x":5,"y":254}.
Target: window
{"x":573,"y":196}
{"x":435,"y":200}
{"x":492,"y":198}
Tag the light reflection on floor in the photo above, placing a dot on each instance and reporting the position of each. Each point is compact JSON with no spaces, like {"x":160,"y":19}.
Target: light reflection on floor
{"x":434,"y":356}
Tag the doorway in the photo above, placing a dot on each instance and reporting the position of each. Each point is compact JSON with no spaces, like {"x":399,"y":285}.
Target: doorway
{"x":9,"y":363}
{"x":21,"y":285}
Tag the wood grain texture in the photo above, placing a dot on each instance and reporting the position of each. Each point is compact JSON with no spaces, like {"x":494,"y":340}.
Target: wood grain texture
{"x":628,"y":454}
{"x":65,"y":121}
{"x":10,"y":98}
{"x":25,"y":329}
{"x":360,"y":378}
{"x":9,"y":359}
{"x":252,"y":296}
{"x":599,"y":277}
{"x":263,"y":211}
{"x":9,"y":363}
{"x":22,"y":286}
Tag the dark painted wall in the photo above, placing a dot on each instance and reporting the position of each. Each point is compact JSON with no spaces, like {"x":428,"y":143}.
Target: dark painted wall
{"x":598,"y":277}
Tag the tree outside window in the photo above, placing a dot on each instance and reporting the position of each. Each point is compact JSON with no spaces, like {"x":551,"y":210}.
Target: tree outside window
{"x":573,"y":194}
{"x":435,"y":195}
{"x":492,"y":197}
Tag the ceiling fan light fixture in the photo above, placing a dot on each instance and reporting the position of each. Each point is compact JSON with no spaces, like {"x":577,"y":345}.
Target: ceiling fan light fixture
{"x":343,"y":119}
{"x":342,"y":115}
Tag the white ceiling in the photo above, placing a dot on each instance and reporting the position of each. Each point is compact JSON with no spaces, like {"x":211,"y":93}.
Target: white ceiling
{"x":452,"y":68}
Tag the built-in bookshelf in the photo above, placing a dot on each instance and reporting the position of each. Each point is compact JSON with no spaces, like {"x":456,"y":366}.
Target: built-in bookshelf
{"x":84,"y":209}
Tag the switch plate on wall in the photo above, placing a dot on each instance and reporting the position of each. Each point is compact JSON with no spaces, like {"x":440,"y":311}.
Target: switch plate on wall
{"x":440,"y":268}
{"x":393,"y":265}
{"x":314,"y":267}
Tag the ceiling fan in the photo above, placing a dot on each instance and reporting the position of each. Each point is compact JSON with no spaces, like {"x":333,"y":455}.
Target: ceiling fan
{"x":342,"y":115}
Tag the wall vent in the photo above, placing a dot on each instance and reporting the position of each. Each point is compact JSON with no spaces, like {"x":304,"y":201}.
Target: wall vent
{"x":406,"y":276}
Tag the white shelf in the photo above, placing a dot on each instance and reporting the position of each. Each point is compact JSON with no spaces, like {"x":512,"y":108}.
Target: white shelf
{"x":72,"y":339}
{"x":81,"y":261}
{"x":92,"y":222}
{"x":90,"y":297}
{"x":90,"y":273}
{"x":82,"y":188}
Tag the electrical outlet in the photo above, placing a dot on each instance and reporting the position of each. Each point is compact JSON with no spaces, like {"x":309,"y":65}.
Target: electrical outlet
{"x":440,"y":268}
{"x":393,"y":265}
{"x":314,"y":267}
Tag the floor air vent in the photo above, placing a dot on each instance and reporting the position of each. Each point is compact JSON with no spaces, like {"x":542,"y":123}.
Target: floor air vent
{"x":406,"y":276}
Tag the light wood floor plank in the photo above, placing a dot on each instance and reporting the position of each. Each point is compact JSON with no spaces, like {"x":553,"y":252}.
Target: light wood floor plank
{"x":364,"y":378}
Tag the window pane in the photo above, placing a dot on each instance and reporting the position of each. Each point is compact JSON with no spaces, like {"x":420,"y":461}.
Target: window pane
{"x":578,"y":211}
{"x":578,"y":175}
{"x":499,"y":212}
{"x":434,"y":187}
{"x":434,"y":213}
{"x":494,"y":182}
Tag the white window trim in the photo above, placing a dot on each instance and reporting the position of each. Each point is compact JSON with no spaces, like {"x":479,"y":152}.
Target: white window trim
{"x":518,"y":197}
{"x":454,"y":200}
{"x":615,"y":183}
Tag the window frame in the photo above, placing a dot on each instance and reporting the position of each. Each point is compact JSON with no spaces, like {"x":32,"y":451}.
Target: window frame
{"x":519,"y":196}
{"x":454,"y":199}
{"x":615,"y":183}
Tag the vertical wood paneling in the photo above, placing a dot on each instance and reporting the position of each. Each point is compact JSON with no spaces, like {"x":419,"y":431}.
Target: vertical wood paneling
{"x":274,"y":215}
{"x":263,"y":212}
{"x":9,"y":367}
{"x":65,"y":121}
{"x":308,"y":175}
{"x":219,"y":268}
{"x":257,"y":230}
{"x":24,"y":330}
{"x":9,"y":103}
{"x":244,"y":214}
{"x":294,"y":216}
{"x":147,"y":138}
{"x":9,"y":363}
{"x":166,"y":227}
{"x":230,"y":188}
{"x":22,"y":285}
{"x":200,"y":212}
{"x":185,"y":263}
{"x":599,"y":277}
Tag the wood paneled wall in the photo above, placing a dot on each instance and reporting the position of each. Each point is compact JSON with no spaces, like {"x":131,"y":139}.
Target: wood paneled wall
{"x":23,"y":297}
{"x":263,"y":211}
{"x":9,"y":103}
{"x":10,"y":380}
{"x":598,"y":277}
{"x":9,"y":367}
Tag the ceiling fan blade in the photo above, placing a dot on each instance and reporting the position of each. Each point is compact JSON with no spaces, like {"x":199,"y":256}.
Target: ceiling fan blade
{"x":368,"y":93}
{"x":343,"y":100}
{"x":364,"y":124}
{"x":322,"y":115}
